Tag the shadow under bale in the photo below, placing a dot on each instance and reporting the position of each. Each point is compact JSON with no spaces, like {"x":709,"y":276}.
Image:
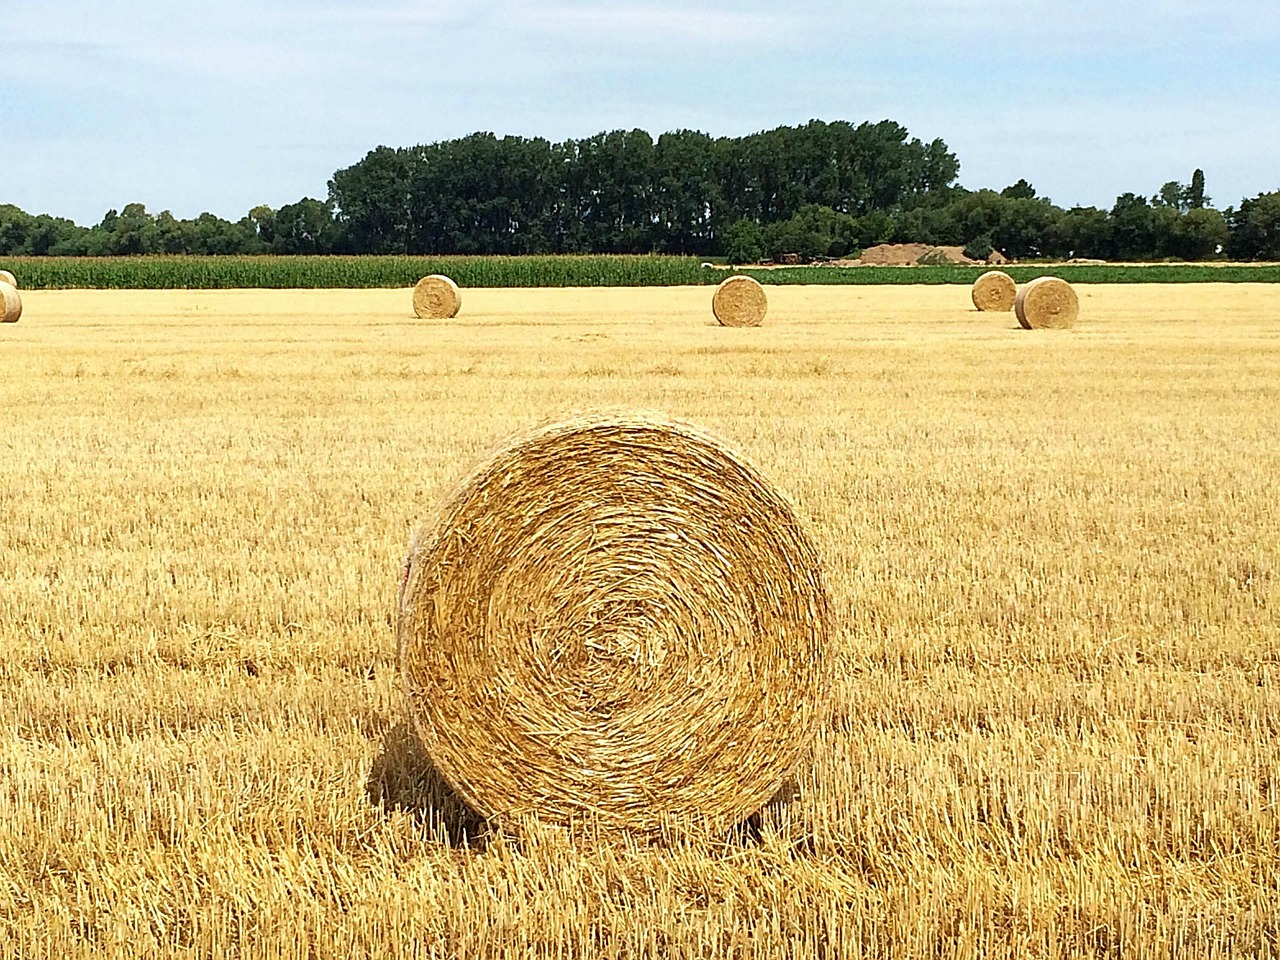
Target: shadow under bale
{"x":403,"y":778}
{"x":750,"y":831}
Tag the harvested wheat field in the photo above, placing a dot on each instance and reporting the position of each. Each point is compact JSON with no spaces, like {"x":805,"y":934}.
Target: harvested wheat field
{"x":1054,"y":565}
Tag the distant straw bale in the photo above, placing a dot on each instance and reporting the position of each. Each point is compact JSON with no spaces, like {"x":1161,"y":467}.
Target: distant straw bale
{"x":994,"y":291}
{"x":1046,"y":303}
{"x":11,"y":302}
{"x":436,"y":298}
{"x":9,"y":278}
{"x":615,"y":618}
{"x":739,"y":301}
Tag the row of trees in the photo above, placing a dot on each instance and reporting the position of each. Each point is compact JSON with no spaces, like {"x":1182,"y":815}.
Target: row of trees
{"x":624,"y":192}
{"x":1021,"y":225}
{"x":308,"y":226}
{"x":821,"y":189}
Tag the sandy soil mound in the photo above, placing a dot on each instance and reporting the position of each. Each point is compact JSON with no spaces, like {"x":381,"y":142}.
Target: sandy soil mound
{"x":908,"y":255}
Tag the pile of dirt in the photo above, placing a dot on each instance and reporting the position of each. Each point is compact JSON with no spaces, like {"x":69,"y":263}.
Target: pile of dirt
{"x":912,"y":254}
{"x":909,"y":254}
{"x":893,"y":254}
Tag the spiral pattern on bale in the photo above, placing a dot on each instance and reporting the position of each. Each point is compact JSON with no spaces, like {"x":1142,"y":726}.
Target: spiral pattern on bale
{"x":739,"y":302}
{"x":9,"y":278}
{"x":436,"y":297}
{"x":994,"y":291}
{"x":1046,"y":303}
{"x":615,"y":619}
{"x":10,"y":303}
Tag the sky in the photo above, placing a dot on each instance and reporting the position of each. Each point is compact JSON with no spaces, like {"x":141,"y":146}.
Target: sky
{"x":201,"y":106}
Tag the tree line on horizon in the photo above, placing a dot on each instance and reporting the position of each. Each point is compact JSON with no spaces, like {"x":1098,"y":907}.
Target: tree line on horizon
{"x":824,"y":189}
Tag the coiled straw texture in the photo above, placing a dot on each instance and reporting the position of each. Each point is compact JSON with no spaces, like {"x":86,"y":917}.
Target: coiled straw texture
{"x":10,"y":303}
{"x":739,"y":302}
{"x":615,"y":620}
{"x":994,"y":291}
{"x":1046,"y":303}
{"x":436,"y":297}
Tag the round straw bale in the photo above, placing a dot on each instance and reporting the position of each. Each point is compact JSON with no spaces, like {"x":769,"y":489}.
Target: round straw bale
{"x":436,"y":298}
{"x":615,"y":618}
{"x":994,"y":291}
{"x":1046,"y":303}
{"x":9,"y":278}
{"x":10,"y":303}
{"x":739,"y":301}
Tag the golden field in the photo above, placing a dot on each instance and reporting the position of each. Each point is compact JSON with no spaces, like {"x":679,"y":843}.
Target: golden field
{"x":1054,"y":556}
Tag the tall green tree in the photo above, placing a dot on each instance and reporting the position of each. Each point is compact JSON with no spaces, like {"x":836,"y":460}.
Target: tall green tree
{"x":815,"y":231}
{"x":742,"y":241}
{"x":170,"y":235}
{"x":133,"y":231}
{"x":685,"y":191}
{"x":372,"y":200}
{"x":615,"y":191}
{"x":1196,"y":200}
{"x":1133,"y":229}
{"x":303,"y":227}
{"x":22,"y":234}
{"x":1173,"y":195}
{"x":1021,"y":190}
{"x":1084,"y":232}
{"x":1201,"y":234}
{"x":1255,"y":228}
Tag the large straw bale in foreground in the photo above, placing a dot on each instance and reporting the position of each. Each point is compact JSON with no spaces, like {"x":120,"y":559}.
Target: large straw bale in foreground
{"x":436,"y":298}
{"x":739,"y":302}
{"x":10,"y":303}
{"x":994,"y":291}
{"x":1046,"y":303}
{"x":615,"y":618}
{"x":9,"y":278}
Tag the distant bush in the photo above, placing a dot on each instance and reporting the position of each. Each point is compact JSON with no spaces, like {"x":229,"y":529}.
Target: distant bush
{"x":936,"y":257}
{"x":743,"y":242}
{"x":980,"y":248}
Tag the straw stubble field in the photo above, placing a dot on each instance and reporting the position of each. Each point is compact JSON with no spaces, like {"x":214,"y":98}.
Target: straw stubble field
{"x":1054,"y":556}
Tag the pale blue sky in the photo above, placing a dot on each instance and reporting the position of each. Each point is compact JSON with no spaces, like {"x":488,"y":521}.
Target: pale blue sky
{"x":222,"y":106}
